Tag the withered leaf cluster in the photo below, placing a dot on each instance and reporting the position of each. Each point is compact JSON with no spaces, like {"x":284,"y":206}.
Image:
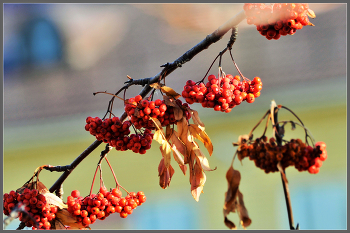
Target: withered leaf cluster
{"x":181,"y":143}
{"x":234,"y":200}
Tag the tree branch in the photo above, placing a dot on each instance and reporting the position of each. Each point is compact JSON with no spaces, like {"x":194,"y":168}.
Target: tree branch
{"x":168,"y":68}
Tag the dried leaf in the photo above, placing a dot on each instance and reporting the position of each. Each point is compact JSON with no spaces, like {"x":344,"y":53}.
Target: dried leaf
{"x":170,"y":92}
{"x":231,"y":204}
{"x":157,"y":123}
{"x":280,"y":168}
{"x":64,"y":218}
{"x":166,"y":153}
{"x":182,"y":129}
{"x":178,"y":113}
{"x":177,"y":155}
{"x":202,"y":136}
{"x":311,"y":13}
{"x":158,"y":136}
{"x":181,"y":147}
{"x":196,"y":119}
{"x":168,"y":132}
{"x":203,"y":160}
{"x":197,"y":181}
{"x":54,"y":200}
{"x":156,"y":85}
{"x":165,"y":174}
{"x":168,"y":101}
{"x":230,"y":224}
{"x":242,"y":211}
{"x":183,"y":168}
{"x":233,"y":178}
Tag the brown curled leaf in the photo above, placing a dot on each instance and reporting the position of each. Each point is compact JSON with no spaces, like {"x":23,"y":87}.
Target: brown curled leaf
{"x":242,"y":211}
{"x":64,"y":218}
{"x":200,"y":134}
{"x":169,"y":101}
{"x":229,"y":224}
{"x":178,"y":113}
{"x":164,"y":174}
{"x":233,"y":178}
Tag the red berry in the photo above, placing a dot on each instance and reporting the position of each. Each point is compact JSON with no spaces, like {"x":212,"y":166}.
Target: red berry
{"x":86,"y":221}
{"x":313,"y":169}
{"x":250,"y":98}
{"x":123,"y":214}
{"x":75,"y":193}
{"x":138,"y":98}
{"x":162,"y":107}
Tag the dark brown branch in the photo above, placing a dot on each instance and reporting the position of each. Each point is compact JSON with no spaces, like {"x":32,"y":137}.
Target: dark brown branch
{"x":168,"y":68}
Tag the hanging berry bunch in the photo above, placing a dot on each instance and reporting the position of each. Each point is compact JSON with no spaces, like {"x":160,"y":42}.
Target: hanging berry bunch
{"x":275,"y":154}
{"x":86,"y":210}
{"x":224,"y":92}
{"x":266,"y":154}
{"x":118,"y":135}
{"x":278,"y":19}
{"x":33,"y":204}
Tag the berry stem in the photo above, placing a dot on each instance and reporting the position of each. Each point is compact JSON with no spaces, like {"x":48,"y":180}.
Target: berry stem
{"x":244,"y":78}
{"x":93,"y":180}
{"x":306,"y":131}
{"x":284,"y":182}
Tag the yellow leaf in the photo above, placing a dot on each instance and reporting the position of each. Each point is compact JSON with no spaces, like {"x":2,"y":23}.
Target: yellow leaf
{"x":158,"y":136}
{"x":170,"y":92}
{"x":311,"y":13}
{"x":166,"y":152}
{"x":202,"y":136}
{"x":155,"y":85}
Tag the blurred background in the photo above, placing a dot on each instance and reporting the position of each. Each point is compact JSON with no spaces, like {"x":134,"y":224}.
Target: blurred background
{"x":57,"y":55}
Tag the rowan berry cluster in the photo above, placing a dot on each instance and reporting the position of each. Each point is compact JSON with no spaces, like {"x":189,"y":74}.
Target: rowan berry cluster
{"x":266,"y":154}
{"x":141,"y":110}
{"x":36,"y":208}
{"x":101,"y":205}
{"x":117,"y":134}
{"x":222,"y":93}
{"x":278,"y":19}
